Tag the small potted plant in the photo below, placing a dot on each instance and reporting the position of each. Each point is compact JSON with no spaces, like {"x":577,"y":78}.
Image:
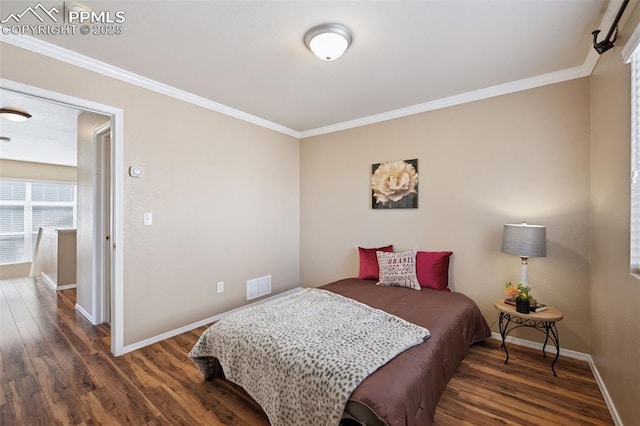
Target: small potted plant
{"x":521,"y":294}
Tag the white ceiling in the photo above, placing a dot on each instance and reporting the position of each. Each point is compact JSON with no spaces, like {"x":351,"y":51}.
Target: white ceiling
{"x":249,"y":55}
{"x":49,"y":136}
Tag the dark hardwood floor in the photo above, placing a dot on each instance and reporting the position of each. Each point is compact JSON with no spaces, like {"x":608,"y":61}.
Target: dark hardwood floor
{"x":57,"y":370}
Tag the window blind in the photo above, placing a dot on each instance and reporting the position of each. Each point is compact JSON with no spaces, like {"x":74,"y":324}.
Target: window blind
{"x":12,"y":190}
{"x":11,"y":219}
{"x":12,"y":243}
{"x":27,"y":206}
{"x":52,"y":192}
{"x":51,"y":216}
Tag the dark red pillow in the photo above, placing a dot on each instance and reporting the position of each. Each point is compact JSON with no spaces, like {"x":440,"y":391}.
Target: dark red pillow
{"x":369,"y":269}
{"x":432,"y":269}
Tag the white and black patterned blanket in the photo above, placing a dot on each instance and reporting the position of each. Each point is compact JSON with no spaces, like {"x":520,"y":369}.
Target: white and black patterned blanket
{"x":301,"y":356}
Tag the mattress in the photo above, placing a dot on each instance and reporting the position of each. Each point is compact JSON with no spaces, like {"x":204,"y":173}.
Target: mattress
{"x":406,"y":390}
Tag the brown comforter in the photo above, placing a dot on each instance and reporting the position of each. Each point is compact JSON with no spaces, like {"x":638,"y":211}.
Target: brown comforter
{"x":407,"y":389}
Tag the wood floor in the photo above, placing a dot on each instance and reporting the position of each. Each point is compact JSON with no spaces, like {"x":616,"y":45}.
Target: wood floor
{"x":57,"y":370}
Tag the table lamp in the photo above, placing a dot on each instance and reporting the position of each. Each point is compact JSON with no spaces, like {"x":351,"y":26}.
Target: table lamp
{"x":525,"y":241}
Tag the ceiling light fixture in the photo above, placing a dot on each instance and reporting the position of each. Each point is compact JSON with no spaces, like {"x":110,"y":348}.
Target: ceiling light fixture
{"x":328,"y":41}
{"x":77,"y":7}
{"x":14,"y":114}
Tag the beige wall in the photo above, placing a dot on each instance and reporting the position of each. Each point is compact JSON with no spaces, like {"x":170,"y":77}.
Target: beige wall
{"x":46,"y":258}
{"x":14,"y":270}
{"x":56,"y":256}
{"x":615,"y":294}
{"x":224,"y":194}
{"x":67,"y":249}
{"x":35,"y":171}
{"x":520,"y":156}
{"x":523,"y":156}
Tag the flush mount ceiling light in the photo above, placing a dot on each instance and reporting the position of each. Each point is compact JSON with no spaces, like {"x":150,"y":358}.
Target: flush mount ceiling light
{"x":14,"y":114}
{"x":77,"y":7}
{"x":328,"y":41}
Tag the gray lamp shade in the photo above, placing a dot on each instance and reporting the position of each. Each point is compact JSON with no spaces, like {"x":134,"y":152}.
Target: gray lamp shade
{"x":525,"y":240}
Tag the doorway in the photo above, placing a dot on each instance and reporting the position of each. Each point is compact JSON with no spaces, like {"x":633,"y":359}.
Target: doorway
{"x":106,"y":282}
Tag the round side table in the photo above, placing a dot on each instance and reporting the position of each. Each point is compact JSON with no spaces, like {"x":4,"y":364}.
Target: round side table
{"x":545,"y":321}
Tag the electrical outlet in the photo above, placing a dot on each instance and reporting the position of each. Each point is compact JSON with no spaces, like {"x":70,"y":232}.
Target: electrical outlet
{"x":220,"y":286}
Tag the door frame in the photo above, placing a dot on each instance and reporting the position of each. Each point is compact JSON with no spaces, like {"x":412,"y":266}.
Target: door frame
{"x":117,"y":184}
{"x":102,"y":252}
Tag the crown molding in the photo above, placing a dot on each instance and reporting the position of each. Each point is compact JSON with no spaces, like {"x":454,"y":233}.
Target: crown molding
{"x":103,"y":68}
{"x":82,"y":61}
{"x":631,"y":45}
{"x":634,"y":39}
{"x":584,"y":70}
{"x":463,"y":98}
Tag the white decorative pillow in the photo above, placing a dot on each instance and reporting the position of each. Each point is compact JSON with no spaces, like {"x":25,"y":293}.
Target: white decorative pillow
{"x":398,"y":269}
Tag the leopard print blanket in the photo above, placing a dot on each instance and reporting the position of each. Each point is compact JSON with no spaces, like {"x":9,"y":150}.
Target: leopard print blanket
{"x":301,"y":356}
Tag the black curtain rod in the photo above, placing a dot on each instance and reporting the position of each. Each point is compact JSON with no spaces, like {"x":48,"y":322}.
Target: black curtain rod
{"x":607,"y":43}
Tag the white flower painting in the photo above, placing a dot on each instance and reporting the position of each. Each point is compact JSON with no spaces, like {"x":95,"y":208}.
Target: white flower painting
{"x":394,"y":185}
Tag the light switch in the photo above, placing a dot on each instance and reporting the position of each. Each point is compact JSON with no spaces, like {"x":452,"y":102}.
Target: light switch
{"x":148,"y":219}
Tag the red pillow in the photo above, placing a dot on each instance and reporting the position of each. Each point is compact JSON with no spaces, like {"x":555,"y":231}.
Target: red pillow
{"x":369,"y":269}
{"x":432,"y":268}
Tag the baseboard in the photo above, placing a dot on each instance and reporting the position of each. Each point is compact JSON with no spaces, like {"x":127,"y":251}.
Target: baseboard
{"x":53,"y":285}
{"x":550,"y":348}
{"x":85,"y":314}
{"x":605,"y":393}
{"x":66,"y":287}
{"x":576,"y":355}
{"x":48,"y":280}
{"x":139,"y":345}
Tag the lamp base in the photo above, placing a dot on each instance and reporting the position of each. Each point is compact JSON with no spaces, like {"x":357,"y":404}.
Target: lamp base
{"x":524,"y":278}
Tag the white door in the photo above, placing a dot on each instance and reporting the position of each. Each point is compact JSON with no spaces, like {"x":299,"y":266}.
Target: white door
{"x":102,"y":193}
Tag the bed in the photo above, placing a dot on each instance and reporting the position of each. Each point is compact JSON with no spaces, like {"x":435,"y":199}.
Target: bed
{"x":405,"y":390}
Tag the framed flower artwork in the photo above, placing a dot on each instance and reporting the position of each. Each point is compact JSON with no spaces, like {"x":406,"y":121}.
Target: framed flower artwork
{"x":394,"y":185}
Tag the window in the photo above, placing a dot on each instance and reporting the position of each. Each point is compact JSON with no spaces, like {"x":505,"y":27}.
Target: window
{"x":27,"y":206}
